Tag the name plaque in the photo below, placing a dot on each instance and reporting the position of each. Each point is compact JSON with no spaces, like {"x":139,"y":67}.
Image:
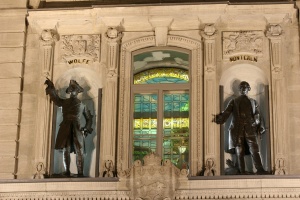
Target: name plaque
{"x":243,"y":57}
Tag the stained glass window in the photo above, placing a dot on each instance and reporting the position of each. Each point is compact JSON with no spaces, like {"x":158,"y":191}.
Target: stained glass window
{"x":162,"y":75}
{"x":161,"y":110}
{"x":145,"y":125}
{"x":176,"y":128}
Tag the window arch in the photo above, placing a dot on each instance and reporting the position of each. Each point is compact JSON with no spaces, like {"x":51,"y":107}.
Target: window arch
{"x":160,"y":105}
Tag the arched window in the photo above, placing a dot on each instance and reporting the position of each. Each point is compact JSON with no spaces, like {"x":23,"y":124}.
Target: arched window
{"x":160,"y":105}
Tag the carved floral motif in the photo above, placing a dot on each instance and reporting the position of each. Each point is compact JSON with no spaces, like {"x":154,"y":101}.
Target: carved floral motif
{"x":81,"y":45}
{"x":242,"y":41}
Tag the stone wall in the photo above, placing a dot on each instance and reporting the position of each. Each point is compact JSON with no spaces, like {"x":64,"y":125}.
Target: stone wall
{"x":12,"y":51}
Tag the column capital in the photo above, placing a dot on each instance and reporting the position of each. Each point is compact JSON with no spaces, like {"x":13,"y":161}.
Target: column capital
{"x":48,"y":37}
{"x":274,"y":31}
{"x":113,"y":35}
{"x":209,"y":32}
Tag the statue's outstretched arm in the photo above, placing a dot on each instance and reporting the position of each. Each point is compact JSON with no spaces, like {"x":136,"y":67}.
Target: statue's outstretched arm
{"x":51,"y":91}
{"x":223,"y":116}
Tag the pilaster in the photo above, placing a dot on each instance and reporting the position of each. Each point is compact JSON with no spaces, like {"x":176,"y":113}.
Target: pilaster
{"x":211,"y":147}
{"x":108,"y":137}
{"x":44,"y":114}
{"x":278,"y":133}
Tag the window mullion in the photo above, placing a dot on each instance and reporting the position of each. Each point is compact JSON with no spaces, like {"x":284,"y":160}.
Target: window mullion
{"x":159,"y":138}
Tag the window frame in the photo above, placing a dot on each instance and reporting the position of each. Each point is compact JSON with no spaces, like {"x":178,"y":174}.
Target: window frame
{"x":159,"y":89}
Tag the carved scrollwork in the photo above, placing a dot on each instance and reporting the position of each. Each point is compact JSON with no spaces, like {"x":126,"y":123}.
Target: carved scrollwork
{"x":40,"y":171}
{"x":280,"y":168}
{"x":81,"y":45}
{"x":210,"y":167}
{"x":242,"y":41}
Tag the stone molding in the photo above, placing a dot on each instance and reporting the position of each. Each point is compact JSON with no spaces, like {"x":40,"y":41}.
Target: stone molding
{"x":179,"y":187}
{"x":124,"y":96}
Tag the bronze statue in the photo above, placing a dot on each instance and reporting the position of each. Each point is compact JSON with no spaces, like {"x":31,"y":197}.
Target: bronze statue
{"x":245,"y":125}
{"x":70,"y":136}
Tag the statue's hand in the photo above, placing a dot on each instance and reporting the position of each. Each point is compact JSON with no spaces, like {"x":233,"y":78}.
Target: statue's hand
{"x":262,"y":130}
{"x":218,"y":119}
{"x":49,"y":84}
{"x":85,"y":131}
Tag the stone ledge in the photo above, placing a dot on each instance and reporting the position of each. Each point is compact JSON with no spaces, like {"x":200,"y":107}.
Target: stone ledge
{"x":259,"y":187}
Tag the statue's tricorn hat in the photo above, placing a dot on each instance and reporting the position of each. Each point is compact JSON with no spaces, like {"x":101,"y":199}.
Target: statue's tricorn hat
{"x":74,"y":86}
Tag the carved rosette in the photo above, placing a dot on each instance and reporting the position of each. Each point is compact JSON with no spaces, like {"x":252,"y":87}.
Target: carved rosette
{"x":80,"y":46}
{"x":153,"y":180}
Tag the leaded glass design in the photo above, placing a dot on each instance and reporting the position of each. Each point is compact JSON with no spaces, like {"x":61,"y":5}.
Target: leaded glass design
{"x":167,"y":58}
{"x":176,"y":128}
{"x":145,"y":125}
{"x":161,"y":75}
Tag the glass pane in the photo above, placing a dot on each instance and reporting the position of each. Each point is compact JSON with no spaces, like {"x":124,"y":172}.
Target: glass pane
{"x":144,"y":125}
{"x":166,"y":58}
{"x":176,"y":129}
{"x":162,"y":75}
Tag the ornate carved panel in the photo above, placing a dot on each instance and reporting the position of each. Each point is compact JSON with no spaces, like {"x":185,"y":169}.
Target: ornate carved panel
{"x":80,"y":46}
{"x":153,"y":180}
{"x":250,"y":42}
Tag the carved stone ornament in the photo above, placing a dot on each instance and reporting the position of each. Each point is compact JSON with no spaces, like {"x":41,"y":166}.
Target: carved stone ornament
{"x":210,"y":167}
{"x":274,"y":30}
{"x":280,"y":168}
{"x":40,"y":171}
{"x":112,"y":33}
{"x":109,"y":169}
{"x":242,"y":42}
{"x":48,"y":36}
{"x":87,"y":46}
{"x":153,"y":180}
{"x":209,"y":31}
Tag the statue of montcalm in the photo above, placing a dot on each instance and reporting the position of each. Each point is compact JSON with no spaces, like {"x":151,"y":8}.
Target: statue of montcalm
{"x":70,"y":136}
{"x":245,"y":125}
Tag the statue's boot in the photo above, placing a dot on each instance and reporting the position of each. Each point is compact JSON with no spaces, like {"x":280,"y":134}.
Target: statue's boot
{"x":258,"y":165}
{"x":241,"y":161}
{"x":66,"y":161}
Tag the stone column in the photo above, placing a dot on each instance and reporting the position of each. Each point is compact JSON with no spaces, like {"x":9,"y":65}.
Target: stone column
{"x":44,"y":115}
{"x":110,"y":92}
{"x":211,"y":135}
{"x":277,"y":94}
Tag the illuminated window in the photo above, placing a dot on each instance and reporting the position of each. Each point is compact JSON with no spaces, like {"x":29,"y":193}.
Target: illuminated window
{"x":160,"y":89}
